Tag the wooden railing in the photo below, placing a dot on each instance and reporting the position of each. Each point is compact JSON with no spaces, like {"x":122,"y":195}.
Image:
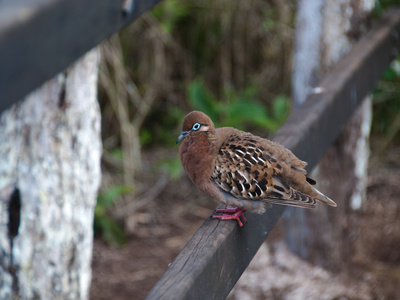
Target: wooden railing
{"x":219,"y":252}
{"x":40,"y":38}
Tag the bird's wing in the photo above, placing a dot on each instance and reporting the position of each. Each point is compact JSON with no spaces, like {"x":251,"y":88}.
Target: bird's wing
{"x":247,"y":171}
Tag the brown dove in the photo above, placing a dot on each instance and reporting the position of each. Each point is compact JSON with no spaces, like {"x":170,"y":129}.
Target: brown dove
{"x":242,"y":170}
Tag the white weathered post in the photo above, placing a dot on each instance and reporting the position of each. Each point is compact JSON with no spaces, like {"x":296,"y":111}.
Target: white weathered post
{"x":50,"y":149}
{"x":326,"y":30}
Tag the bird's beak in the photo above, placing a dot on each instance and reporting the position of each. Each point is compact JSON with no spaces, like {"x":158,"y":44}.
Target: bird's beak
{"x":182,"y":136}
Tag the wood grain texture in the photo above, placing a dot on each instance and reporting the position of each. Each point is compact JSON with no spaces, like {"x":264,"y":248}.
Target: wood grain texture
{"x":219,"y":252}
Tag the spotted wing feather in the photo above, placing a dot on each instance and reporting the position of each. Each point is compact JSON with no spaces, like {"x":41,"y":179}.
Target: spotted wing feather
{"x":247,"y":171}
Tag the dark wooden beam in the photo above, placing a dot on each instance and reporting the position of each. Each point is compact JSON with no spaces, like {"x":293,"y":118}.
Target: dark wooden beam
{"x":40,"y":38}
{"x":219,"y":252}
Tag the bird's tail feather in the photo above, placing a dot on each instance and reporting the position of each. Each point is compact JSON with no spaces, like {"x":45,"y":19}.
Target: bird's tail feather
{"x":324,"y":198}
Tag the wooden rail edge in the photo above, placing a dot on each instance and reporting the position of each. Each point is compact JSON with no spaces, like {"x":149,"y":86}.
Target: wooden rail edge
{"x":40,"y":38}
{"x":218,"y":253}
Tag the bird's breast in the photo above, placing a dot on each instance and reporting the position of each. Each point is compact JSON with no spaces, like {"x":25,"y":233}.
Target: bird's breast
{"x":197,"y":160}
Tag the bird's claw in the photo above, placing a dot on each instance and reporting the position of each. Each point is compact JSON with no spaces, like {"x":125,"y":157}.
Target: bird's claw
{"x":231,"y":214}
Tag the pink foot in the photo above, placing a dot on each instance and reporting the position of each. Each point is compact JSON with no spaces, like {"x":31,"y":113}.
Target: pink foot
{"x":231,"y":214}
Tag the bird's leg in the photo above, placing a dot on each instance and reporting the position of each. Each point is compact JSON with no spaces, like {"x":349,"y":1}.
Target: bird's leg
{"x":231,"y":214}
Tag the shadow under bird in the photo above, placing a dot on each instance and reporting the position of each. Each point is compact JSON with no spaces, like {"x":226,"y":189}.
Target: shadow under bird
{"x":242,"y":170}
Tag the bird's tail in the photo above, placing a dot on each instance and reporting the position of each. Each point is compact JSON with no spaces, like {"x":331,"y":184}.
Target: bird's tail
{"x":321,"y":197}
{"x":318,"y":195}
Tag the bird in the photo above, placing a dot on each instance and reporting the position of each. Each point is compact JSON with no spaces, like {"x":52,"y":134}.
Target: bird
{"x":243,"y":171}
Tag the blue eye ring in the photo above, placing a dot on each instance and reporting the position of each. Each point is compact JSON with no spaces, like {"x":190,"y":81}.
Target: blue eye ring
{"x":196,"y":126}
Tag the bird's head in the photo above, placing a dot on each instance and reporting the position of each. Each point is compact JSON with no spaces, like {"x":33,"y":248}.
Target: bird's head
{"x":194,"y":124}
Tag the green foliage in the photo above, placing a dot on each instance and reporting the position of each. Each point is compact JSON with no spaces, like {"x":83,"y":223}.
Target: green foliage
{"x":117,"y":153}
{"x":201,"y":99}
{"x":172,"y":167}
{"x":103,"y":224}
{"x":382,"y":5}
{"x":240,"y":109}
{"x":270,"y":23}
{"x":170,"y":12}
{"x":386,"y":118}
{"x":160,"y":124}
{"x":145,"y":136}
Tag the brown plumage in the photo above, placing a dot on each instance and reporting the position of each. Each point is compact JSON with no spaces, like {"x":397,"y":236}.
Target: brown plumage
{"x":242,"y":170}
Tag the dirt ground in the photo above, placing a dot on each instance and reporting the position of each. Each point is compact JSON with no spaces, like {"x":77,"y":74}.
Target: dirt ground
{"x":164,"y":226}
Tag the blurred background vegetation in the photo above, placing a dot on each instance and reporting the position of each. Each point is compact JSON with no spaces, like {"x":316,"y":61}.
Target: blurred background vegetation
{"x":230,"y":59}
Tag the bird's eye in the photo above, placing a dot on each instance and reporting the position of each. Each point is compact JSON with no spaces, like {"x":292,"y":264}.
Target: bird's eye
{"x":196,"y":126}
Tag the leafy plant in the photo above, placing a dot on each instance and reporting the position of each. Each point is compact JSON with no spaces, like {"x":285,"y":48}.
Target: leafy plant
{"x":105,"y":225}
{"x":201,"y":99}
{"x":170,"y":12}
{"x":172,"y":167}
{"x":386,"y":117}
{"x":382,"y":5}
{"x":239,"y":109}
{"x":159,"y":125}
